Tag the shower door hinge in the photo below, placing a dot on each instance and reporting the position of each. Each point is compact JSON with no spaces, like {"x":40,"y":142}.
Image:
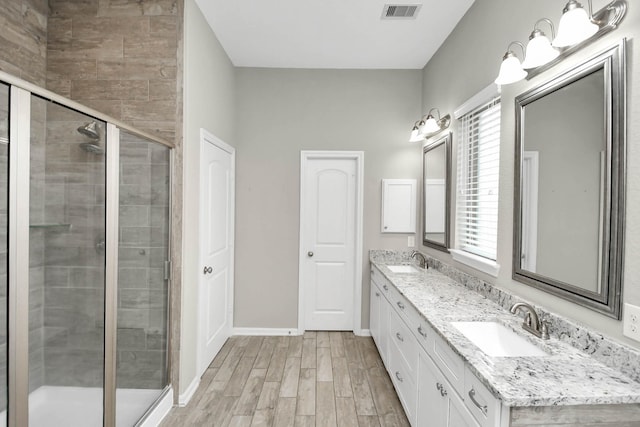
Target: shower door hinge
{"x":167,"y":270}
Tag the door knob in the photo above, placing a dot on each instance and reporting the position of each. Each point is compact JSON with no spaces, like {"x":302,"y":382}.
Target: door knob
{"x":207,"y":270}
{"x":309,"y":254}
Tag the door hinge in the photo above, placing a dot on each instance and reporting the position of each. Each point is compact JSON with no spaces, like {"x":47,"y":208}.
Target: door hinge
{"x":167,"y":270}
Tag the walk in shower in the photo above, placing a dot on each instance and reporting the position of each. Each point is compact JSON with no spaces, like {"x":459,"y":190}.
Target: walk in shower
{"x":84,"y":271}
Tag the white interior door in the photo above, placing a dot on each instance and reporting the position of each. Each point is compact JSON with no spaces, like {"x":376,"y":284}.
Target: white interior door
{"x":217,"y":166}
{"x":329,"y":247}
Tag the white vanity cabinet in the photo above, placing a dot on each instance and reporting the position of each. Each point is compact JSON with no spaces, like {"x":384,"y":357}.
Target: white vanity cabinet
{"x":435,"y":387}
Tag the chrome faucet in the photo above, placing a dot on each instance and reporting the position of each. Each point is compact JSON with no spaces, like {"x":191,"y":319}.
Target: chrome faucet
{"x":423,"y":260}
{"x":531,"y":322}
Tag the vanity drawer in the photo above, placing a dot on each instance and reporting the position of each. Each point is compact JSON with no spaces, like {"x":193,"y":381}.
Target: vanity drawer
{"x":420,"y":328}
{"x":404,"y":382}
{"x":451,"y":365}
{"x":401,"y":305}
{"x":404,"y":342}
{"x":381,"y":281}
{"x":486,"y":409}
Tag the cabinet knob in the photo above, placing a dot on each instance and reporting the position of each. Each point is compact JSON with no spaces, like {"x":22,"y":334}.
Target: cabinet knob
{"x":207,"y":270}
{"x":377,"y":294}
{"x":441,"y":389}
{"x":386,"y":288}
{"x":401,"y":305}
{"x":399,"y":377}
{"x":309,"y":254}
{"x":421,"y":331}
{"x":399,"y":337}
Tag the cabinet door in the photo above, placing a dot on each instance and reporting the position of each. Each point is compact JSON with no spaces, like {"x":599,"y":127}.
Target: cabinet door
{"x":399,"y":205}
{"x":438,"y":403}
{"x":374,"y":313}
{"x":432,"y":404}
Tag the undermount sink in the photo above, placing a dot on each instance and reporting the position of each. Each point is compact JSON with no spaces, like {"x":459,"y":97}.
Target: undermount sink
{"x":496,"y":340}
{"x":402,"y":269}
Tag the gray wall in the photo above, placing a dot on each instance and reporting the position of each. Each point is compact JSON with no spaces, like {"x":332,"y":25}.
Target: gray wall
{"x":281,"y":112}
{"x":468,"y":62}
{"x":209,"y":98}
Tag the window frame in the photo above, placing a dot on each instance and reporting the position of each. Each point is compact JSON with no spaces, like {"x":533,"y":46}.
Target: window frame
{"x":480,"y":262}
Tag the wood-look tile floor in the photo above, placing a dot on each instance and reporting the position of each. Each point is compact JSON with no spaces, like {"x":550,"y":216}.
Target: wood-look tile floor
{"x":319,"y":379}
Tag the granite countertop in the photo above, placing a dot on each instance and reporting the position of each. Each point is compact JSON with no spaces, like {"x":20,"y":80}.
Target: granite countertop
{"x":567,"y":376}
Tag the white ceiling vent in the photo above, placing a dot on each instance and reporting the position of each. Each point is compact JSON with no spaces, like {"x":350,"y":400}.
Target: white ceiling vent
{"x":400,"y":11}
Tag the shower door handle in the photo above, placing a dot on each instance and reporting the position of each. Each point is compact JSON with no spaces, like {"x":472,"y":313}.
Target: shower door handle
{"x":208,"y":270}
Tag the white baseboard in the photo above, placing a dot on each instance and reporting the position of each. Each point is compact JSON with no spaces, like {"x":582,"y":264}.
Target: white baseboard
{"x":265,"y":331}
{"x":362,"y":333}
{"x":160,"y":411}
{"x":185,"y":397}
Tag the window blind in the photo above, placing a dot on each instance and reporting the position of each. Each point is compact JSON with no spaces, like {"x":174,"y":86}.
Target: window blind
{"x":478,"y":178}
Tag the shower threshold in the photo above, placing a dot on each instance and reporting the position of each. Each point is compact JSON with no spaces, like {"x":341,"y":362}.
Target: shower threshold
{"x":82,"y":406}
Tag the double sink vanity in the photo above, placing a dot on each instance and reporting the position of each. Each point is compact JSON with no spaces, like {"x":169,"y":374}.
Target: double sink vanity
{"x":458,"y":357}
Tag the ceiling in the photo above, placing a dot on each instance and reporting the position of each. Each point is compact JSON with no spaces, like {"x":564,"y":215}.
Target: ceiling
{"x":330,"y":33}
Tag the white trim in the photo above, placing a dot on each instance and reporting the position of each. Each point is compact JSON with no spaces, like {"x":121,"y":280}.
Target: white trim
{"x":363,"y":333}
{"x":160,"y":411}
{"x":185,"y":397}
{"x":358,"y":156}
{"x":266,"y":332}
{"x":208,"y":137}
{"x":479,"y":263}
{"x":485,"y":95}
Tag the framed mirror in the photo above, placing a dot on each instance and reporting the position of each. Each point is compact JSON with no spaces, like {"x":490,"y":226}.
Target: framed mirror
{"x":569,"y":184}
{"x":436,"y":182}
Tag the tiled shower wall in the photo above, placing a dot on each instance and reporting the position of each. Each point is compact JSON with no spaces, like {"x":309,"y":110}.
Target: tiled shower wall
{"x":23,"y":39}
{"x":119,"y":57}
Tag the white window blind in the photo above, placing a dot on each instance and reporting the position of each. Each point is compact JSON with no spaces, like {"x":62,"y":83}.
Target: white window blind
{"x":478,"y":177}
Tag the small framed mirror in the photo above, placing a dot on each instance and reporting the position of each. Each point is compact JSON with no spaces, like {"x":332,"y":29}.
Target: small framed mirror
{"x":569,"y":184}
{"x":436,"y":173}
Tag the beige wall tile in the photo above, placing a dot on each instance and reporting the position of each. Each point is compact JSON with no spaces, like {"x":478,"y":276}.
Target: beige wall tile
{"x":110,"y":89}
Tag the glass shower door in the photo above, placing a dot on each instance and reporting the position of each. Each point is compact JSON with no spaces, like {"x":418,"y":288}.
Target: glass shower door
{"x":142,"y":285}
{"x":66,"y":267}
{"x":4,"y":246}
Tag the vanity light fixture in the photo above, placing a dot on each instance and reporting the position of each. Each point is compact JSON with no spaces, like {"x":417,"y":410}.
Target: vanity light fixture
{"x":539,"y":50}
{"x":431,"y":126}
{"x":511,"y":69}
{"x":415,"y":133}
{"x":577,"y":28}
{"x":575,"y":25}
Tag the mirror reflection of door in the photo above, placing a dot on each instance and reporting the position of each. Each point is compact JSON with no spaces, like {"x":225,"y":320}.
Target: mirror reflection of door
{"x":435,"y":190}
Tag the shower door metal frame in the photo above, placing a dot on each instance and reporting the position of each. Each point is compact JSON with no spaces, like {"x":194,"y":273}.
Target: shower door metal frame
{"x":112,"y":207}
{"x":18,"y":236}
{"x":18,"y":263}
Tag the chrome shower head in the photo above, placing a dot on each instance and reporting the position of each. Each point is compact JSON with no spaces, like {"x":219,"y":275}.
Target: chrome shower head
{"x":91,"y":147}
{"x":90,"y":130}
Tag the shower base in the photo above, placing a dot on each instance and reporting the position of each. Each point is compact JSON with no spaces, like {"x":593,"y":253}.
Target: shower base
{"x":82,"y":407}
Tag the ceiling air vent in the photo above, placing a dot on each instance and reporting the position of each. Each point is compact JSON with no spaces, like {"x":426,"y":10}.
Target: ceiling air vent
{"x":400,"y":11}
